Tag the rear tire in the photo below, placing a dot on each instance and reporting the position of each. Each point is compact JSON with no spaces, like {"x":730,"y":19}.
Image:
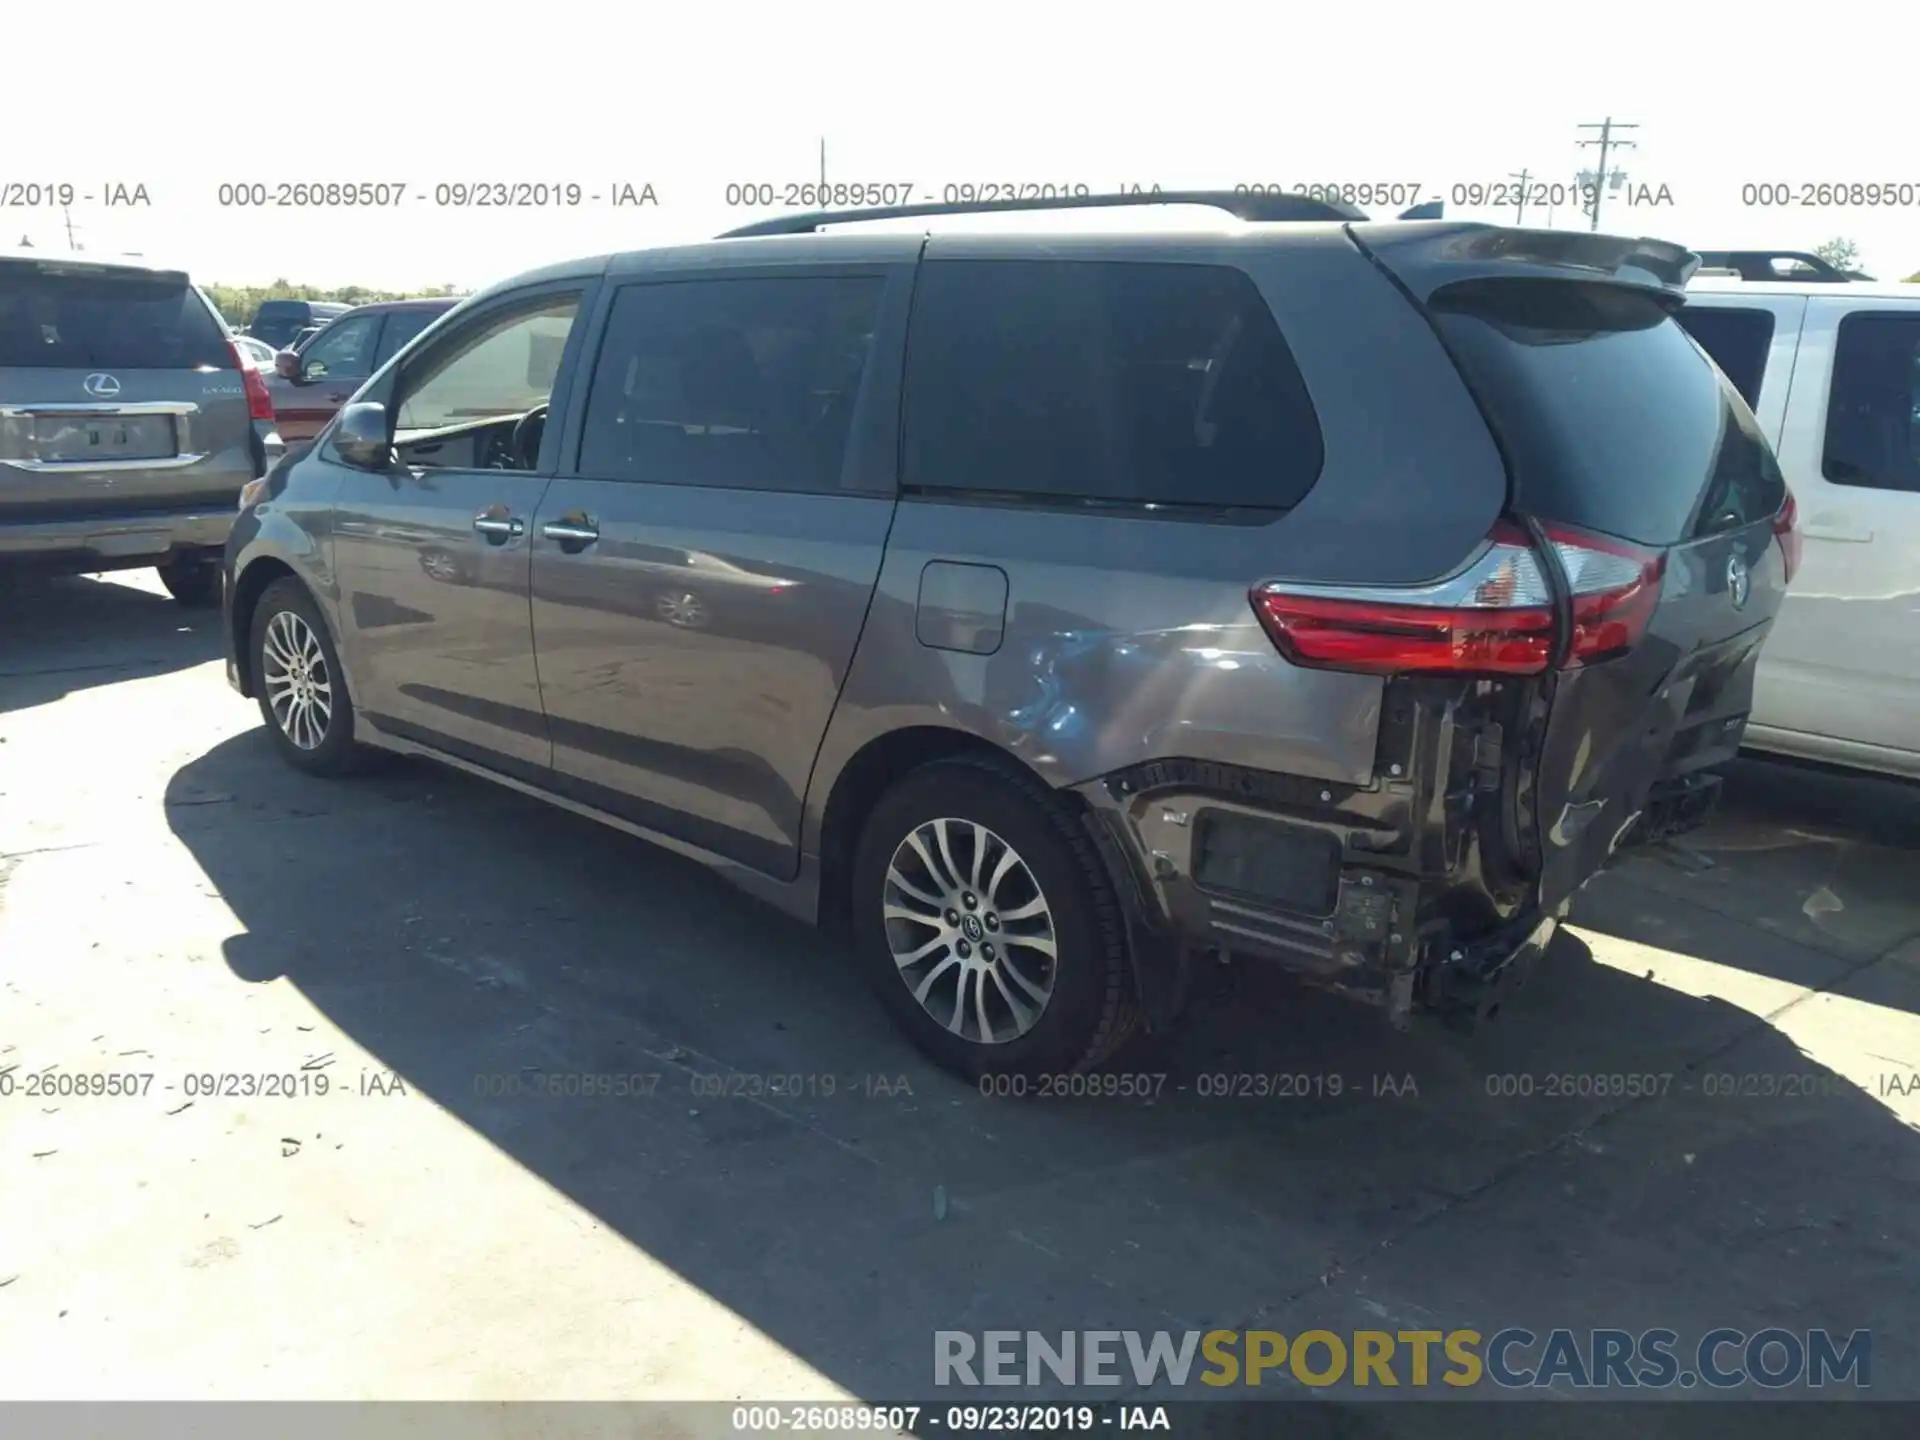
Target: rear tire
{"x":1008,"y":930}
{"x":193,"y":582}
{"x":297,"y":676}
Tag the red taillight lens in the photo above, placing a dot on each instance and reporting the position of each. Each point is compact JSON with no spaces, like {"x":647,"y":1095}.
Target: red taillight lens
{"x":1494,"y":618}
{"x":1401,"y":639}
{"x":259,"y":398}
{"x":1786,"y":529}
{"x":1616,"y":589}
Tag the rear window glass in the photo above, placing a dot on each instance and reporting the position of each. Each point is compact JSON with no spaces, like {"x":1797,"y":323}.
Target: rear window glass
{"x":1103,"y":381}
{"x":132,"y":322}
{"x":1873,"y":412}
{"x":748,"y":384}
{"x":280,"y":322}
{"x":1611,"y":418}
{"x":1736,"y":339}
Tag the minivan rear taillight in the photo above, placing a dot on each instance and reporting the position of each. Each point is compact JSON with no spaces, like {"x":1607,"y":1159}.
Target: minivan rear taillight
{"x":259,"y":398}
{"x":1786,"y":529}
{"x":1494,"y":618}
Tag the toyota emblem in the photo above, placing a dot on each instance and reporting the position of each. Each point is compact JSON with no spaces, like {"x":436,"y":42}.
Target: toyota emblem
{"x":1739,"y":582}
{"x":101,"y":387}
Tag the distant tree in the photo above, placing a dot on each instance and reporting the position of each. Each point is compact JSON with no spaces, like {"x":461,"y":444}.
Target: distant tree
{"x":1839,"y":252}
{"x":239,"y":303}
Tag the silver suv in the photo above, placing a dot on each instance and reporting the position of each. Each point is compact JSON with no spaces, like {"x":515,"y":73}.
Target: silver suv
{"x":128,"y":422}
{"x":1050,"y":612}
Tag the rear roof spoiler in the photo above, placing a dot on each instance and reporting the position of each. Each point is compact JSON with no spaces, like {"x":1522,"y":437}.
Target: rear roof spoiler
{"x":1425,"y":256}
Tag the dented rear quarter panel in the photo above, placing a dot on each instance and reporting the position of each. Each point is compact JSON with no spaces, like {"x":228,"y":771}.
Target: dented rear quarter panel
{"x":1130,"y":637}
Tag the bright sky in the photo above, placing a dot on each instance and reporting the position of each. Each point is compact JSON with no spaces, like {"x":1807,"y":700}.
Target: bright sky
{"x":691,"y":98}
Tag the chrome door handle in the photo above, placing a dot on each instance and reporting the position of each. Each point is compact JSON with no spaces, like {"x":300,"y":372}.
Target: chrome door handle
{"x":567,"y":532}
{"x":493,"y":526}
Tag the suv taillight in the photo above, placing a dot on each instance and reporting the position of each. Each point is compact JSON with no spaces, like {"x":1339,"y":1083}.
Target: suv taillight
{"x":259,"y":398}
{"x":1786,"y":529}
{"x":1494,"y":618}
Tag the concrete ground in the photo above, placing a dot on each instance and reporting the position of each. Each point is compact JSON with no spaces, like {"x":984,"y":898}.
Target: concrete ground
{"x":175,"y":902}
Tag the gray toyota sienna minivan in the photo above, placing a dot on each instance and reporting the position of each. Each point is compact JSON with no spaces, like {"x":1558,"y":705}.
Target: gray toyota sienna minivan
{"x":1045,"y":611}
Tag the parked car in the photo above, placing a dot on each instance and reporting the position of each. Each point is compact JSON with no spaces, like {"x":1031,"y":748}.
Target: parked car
{"x":129,"y":421}
{"x":278,"y":321}
{"x":1151,"y":595}
{"x":1832,"y":367}
{"x":312,"y":381}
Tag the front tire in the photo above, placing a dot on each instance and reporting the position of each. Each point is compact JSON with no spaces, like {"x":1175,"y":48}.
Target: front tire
{"x":988,"y":926}
{"x":192,"y":582}
{"x":302,"y":693}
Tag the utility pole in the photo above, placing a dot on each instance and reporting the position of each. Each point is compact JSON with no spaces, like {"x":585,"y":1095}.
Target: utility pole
{"x":823,"y":164}
{"x":67,"y":211}
{"x":1520,"y":178}
{"x":1607,"y":144}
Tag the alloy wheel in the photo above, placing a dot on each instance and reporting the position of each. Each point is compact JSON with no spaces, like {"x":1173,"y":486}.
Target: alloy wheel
{"x":970,"y":930}
{"x":683,"y":608}
{"x":298,"y":683}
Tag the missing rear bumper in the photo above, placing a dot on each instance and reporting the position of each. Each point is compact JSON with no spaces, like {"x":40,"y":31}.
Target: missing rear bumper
{"x":1674,"y":807}
{"x":1468,"y":984}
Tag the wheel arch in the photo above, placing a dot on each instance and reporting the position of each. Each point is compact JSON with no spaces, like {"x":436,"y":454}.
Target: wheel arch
{"x":248,"y":586}
{"x":252,"y":582}
{"x":868,"y":774}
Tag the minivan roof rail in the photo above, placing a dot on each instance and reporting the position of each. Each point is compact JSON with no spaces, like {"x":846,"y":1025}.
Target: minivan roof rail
{"x":1243,"y":205}
{"x":1759,"y":265}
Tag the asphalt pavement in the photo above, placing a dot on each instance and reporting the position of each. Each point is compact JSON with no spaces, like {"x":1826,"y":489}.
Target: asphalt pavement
{"x":768,"y":1194}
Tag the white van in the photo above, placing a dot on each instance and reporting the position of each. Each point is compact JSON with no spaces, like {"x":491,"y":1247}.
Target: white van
{"x":1831,"y":367}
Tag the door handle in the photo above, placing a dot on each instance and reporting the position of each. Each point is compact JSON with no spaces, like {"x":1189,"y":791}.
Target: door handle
{"x":569,"y":532}
{"x":497,"y":527}
{"x":1837,"y":532}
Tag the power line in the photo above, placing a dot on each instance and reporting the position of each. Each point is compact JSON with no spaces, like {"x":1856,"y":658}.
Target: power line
{"x":1522,"y":177}
{"x":1602,"y":177}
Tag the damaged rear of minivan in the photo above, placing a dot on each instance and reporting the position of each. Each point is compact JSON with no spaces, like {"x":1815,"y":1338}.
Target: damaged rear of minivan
{"x":1565,"y":692}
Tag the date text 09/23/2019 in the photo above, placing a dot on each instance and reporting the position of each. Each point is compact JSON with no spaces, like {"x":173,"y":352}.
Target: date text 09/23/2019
{"x":472,"y":194}
{"x":1207,"y":1085}
{"x":965,"y":1420}
{"x":317,"y":1077}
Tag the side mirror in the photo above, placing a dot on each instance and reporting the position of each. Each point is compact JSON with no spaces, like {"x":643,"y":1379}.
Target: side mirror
{"x":286,"y":365}
{"x":362,"y":439}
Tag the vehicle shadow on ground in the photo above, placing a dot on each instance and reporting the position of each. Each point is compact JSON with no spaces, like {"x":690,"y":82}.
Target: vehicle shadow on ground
{"x":85,"y":631}
{"x":1283,"y":1160}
